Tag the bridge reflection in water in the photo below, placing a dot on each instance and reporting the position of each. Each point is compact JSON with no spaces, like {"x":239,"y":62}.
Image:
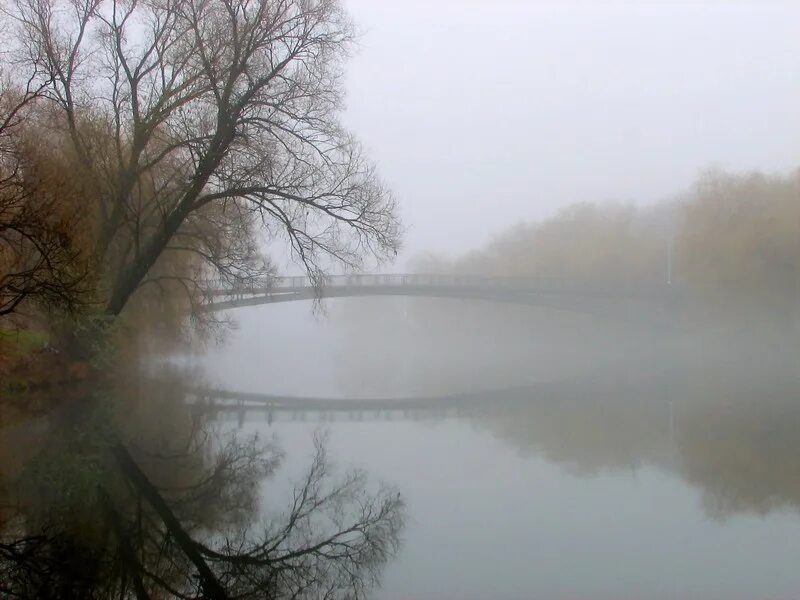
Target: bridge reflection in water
{"x":247,"y":406}
{"x":245,"y":414}
{"x":244,"y":406}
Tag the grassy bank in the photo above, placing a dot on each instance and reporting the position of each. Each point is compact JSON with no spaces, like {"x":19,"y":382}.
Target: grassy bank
{"x":28,"y":363}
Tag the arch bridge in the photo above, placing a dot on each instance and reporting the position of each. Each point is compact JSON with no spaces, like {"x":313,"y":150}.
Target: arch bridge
{"x":582,"y":296}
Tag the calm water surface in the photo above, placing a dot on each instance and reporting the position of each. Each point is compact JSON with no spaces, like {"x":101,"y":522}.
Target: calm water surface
{"x":635,"y":483}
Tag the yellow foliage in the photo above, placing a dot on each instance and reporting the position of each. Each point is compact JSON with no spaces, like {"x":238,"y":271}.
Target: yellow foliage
{"x":583,"y":242}
{"x":740,"y":242}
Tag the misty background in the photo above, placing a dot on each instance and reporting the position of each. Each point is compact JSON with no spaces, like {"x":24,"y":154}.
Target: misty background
{"x":585,"y":383}
{"x":482,"y":115}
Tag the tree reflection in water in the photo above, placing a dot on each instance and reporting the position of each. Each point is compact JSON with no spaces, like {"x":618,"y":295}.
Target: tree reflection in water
{"x":133,"y":495}
{"x":730,"y":431}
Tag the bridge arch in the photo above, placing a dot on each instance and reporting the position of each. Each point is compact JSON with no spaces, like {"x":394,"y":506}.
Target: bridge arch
{"x":583,"y":296}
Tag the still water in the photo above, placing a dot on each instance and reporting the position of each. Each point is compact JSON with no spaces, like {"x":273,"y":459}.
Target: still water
{"x":654,"y":471}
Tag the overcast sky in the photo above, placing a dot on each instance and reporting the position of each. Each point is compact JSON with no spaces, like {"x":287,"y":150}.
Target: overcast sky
{"x":483,"y":114}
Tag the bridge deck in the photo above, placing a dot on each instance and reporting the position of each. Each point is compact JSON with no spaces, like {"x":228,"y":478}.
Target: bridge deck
{"x":532,"y":290}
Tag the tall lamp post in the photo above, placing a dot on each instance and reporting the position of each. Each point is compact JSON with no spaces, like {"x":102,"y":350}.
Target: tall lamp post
{"x":670,"y":241}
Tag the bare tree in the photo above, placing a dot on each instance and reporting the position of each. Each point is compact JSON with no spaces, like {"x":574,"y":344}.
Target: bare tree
{"x":203,"y":121}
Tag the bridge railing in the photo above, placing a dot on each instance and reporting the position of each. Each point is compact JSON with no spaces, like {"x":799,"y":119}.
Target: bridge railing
{"x":542,"y":284}
{"x":389,"y":279}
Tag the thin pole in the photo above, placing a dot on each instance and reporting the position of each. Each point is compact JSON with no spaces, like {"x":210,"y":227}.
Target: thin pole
{"x":669,"y":260}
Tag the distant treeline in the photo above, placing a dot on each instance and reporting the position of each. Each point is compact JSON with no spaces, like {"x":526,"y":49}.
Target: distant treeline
{"x":732,"y":241}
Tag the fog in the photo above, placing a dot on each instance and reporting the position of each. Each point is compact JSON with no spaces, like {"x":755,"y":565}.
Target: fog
{"x":580,"y":456}
{"x":485,"y":115}
{"x":399,"y":299}
{"x":640,"y":444}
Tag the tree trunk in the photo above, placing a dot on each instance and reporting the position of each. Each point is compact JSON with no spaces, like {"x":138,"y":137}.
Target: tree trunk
{"x":126,"y":551}
{"x":211,"y":586}
{"x":132,"y":274}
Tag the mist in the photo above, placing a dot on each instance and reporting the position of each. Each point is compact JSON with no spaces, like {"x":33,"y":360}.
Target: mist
{"x":526,"y":107}
{"x":355,"y":299}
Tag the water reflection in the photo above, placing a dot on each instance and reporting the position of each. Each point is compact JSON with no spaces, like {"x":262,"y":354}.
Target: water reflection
{"x":148,"y":492}
{"x":731,"y":431}
{"x":131,"y":493}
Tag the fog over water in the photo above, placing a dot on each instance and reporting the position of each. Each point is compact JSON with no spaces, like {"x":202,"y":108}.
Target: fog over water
{"x":400,"y":299}
{"x":661,"y":463}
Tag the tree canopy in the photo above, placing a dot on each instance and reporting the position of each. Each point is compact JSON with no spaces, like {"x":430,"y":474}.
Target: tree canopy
{"x":199,"y":131}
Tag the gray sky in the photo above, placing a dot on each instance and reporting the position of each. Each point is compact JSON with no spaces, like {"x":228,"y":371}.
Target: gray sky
{"x":483,"y":114}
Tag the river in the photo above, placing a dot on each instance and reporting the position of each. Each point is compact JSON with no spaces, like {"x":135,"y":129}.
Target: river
{"x":661,"y":477}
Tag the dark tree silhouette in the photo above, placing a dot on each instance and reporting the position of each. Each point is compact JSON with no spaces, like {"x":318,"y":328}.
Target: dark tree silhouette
{"x":177,"y":516}
{"x":201,"y":122}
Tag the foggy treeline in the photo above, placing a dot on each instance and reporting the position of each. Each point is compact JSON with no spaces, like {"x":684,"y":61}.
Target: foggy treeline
{"x":727,"y":247}
{"x":732,"y":240}
{"x":710,"y":398}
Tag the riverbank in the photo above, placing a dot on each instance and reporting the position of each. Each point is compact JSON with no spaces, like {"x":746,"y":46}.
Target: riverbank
{"x":28,"y":363}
